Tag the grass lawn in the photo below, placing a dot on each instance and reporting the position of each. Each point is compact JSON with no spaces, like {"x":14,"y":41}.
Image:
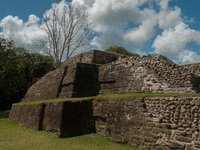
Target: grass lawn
{"x":15,"y":137}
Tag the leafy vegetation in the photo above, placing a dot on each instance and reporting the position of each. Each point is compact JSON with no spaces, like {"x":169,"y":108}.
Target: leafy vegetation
{"x":120,"y":50}
{"x":15,"y":137}
{"x":4,"y":114}
{"x":18,"y":71}
{"x":155,"y":55}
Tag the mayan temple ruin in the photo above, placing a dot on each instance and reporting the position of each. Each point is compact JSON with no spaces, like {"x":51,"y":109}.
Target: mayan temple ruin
{"x":163,"y":122}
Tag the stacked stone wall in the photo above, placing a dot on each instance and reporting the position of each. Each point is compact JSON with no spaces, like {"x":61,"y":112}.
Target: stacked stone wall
{"x":30,"y":116}
{"x":122,"y":74}
{"x":122,"y":120}
{"x":63,"y":118}
{"x":121,"y":77}
{"x":85,"y":57}
{"x":150,"y":123}
{"x":193,"y":68}
{"x":174,"y":74}
{"x":134,"y":74}
{"x":102,"y":57}
{"x":183,"y":116}
{"x":93,"y":56}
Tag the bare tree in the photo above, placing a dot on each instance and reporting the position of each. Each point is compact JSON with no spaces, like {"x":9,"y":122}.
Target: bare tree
{"x":66,"y":29}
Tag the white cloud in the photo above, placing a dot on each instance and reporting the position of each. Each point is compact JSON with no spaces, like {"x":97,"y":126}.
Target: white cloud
{"x":22,"y":33}
{"x":32,"y":20}
{"x":11,"y":24}
{"x":111,"y":19}
{"x":145,"y":31}
{"x":187,"y":57}
{"x":114,"y":14}
{"x":169,"y":18}
{"x":110,"y":38}
{"x":112,"y":24}
{"x":138,"y":35}
{"x":174,"y":40}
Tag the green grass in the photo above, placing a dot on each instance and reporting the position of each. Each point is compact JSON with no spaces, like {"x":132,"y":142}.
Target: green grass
{"x":134,"y":95}
{"x":15,"y":137}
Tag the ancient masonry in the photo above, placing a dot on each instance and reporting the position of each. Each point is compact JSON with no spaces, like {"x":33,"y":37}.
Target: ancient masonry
{"x":156,"y":123}
{"x":97,"y":72}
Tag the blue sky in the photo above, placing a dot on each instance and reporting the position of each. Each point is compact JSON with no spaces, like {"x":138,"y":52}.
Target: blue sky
{"x":168,"y":27}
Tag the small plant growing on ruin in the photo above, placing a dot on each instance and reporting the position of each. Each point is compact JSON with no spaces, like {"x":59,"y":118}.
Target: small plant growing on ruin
{"x":120,"y":50}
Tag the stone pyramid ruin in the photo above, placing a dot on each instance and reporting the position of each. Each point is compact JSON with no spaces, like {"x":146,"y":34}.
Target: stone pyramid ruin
{"x":99,"y":72}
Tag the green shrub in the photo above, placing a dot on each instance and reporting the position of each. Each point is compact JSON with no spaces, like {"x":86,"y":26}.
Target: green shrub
{"x":155,"y":55}
{"x":120,"y":50}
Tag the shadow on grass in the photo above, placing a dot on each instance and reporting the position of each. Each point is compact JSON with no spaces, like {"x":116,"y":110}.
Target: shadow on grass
{"x":4,"y":114}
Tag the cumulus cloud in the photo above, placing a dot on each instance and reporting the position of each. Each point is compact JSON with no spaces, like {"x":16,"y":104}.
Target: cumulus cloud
{"x":115,"y":14}
{"x":145,"y":31}
{"x":110,"y":38}
{"x":173,"y":41}
{"x":22,"y":33}
{"x":138,"y":35}
{"x":168,"y":18}
{"x":112,"y":19}
{"x":187,"y":57}
{"x":176,"y":35}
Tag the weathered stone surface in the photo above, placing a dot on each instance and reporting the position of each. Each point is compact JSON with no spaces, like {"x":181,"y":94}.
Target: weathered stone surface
{"x":81,"y":80}
{"x":196,"y":144}
{"x":94,"y":56}
{"x":159,"y":148}
{"x":47,"y":87}
{"x":171,"y":122}
{"x":63,"y":118}
{"x":53,"y":117}
{"x":77,"y":118}
{"x":30,"y":116}
{"x":183,"y":139}
{"x":175,"y":145}
{"x":119,"y":74}
{"x":15,"y":113}
{"x":75,"y":80}
{"x":121,"y":120}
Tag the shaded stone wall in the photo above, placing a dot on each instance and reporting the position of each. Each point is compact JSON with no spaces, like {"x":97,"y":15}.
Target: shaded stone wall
{"x":149,"y":123}
{"x":30,"y":116}
{"x":63,"y":118}
{"x":75,"y":80}
{"x":81,"y":80}
{"x":47,"y":87}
